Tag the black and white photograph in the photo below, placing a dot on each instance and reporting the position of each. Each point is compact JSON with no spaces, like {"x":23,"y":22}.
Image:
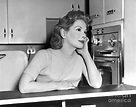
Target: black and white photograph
{"x":67,"y":53}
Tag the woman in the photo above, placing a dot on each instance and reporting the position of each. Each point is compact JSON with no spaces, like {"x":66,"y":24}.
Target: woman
{"x":61,"y":67}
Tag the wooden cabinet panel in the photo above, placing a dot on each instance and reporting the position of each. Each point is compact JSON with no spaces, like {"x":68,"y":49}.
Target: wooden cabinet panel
{"x":96,"y":11}
{"x":25,"y":21}
{"x":80,"y":5}
{"x":104,"y":11}
{"x":58,"y":8}
{"x":3,"y":21}
{"x":113,"y":10}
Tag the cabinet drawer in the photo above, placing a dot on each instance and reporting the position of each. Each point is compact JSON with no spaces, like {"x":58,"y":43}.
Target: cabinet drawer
{"x":96,"y":11}
{"x":113,"y":10}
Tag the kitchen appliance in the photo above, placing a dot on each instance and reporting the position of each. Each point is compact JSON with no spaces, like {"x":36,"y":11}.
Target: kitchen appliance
{"x":107,"y":53}
{"x":12,"y":65}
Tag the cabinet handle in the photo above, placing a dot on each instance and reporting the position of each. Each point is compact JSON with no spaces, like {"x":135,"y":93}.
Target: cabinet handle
{"x":78,"y":7}
{"x":72,"y":7}
{"x":11,"y":33}
{"x":105,"y":61}
{"x":95,"y":16}
{"x":4,"y":33}
{"x":109,"y":12}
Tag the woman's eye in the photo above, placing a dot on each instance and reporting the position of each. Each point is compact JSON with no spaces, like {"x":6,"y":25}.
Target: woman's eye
{"x":78,"y":29}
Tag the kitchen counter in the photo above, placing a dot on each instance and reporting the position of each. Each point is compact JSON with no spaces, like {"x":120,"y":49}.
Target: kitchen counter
{"x":15,"y":97}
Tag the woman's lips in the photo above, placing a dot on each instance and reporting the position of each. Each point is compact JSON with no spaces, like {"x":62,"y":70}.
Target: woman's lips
{"x":82,"y":41}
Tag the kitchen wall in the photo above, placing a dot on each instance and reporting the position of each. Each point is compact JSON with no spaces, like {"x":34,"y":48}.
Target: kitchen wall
{"x":130,"y":42}
{"x":24,"y":47}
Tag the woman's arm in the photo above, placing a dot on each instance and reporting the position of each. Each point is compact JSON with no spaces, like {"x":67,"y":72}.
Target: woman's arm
{"x":27,"y":82}
{"x":92,"y":75}
{"x":28,"y":85}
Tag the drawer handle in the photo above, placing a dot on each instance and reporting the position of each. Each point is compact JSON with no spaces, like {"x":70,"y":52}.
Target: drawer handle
{"x":78,"y":7}
{"x":2,"y":56}
{"x":106,"y":51}
{"x":95,"y":16}
{"x":109,"y":12}
{"x":72,"y":7}
{"x":4,"y":35}
{"x":105,"y":61}
{"x":11,"y":33}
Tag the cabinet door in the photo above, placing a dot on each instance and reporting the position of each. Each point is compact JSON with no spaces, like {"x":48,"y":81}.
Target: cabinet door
{"x":3,"y":22}
{"x":58,"y":8}
{"x":96,"y":11}
{"x":27,"y":21}
{"x":80,"y":5}
{"x":113,"y":10}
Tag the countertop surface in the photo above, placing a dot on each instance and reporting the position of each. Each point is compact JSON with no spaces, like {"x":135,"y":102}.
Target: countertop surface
{"x":15,"y":97}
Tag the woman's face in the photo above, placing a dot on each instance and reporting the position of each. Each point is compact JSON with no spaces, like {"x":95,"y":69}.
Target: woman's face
{"x":76,"y":34}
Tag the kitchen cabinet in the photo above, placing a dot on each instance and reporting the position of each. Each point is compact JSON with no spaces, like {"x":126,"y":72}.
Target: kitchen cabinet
{"x":80,"y":4}
{"x":128,"y":39}
{"x":3,"y":21}
{"x":114,"y":10}
{"x":23,"y":21}
{"x":58,"y":8}
{"x":96,"y":11}
{"x":104,"y":11}
{"x":12,"y":65}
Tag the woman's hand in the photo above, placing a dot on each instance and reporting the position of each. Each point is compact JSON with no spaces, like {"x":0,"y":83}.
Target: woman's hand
{"x":84,"y":50}
{"x":91,"y":74}
{"x":64,"y":85}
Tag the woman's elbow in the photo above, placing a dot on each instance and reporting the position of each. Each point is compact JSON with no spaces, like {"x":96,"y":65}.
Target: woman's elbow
{"x":24,"y":84}
{"x":22,"y":88}
{"x":97,"y":84}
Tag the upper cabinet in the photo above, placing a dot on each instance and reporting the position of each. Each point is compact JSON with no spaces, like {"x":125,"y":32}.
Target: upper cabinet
{"x":22,"y":21}
{"x":80,"y":5}
{"x":59,"y":8}
{"x":96,"y":11}
{"x":104,"y":11}
{"x":3,"y":21}
{"x":114,"y":10}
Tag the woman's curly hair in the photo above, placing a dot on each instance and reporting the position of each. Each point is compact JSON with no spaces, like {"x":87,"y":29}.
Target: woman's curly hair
{"x":66,"y":22}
